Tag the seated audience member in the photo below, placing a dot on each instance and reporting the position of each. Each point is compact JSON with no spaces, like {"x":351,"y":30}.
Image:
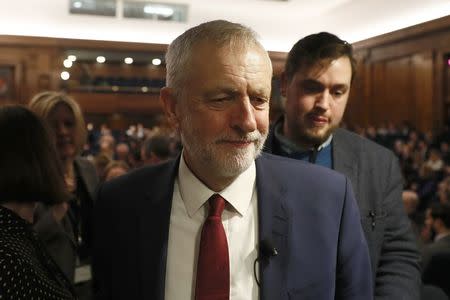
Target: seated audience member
{"x":436,"y":255}
{"x":122,"y":151}
{"x":156,"y":149}
{"x":67,"y":230}
{"x":224,"y":221}
{"x":29,"y":174}
{"x":107,"y":144}
{"x":410,"y":202}
{"x":115,"y":169}
{"x":443,"y":193}
{"x":100,"y":162}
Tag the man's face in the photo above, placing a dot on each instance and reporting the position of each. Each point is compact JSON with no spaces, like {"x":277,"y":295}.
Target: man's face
{"x":315,"y":101}
{"x":223,"y":111}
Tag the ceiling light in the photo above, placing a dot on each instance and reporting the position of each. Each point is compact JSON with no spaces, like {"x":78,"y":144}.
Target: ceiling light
{"x":158,"y":10}
{"x":156,"y":61}
{"x":65,"y":75}
{"x":72,"y":58}
{"x":144,"y":89}
{"x":67,"y":63}
{"x":128,"y":60}
{"x":101,"y":59}
{"x":77,"y":4}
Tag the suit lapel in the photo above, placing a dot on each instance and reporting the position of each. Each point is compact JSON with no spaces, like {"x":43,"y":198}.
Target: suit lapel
{"x":153,"y":230}
{"x":273,"y":227}
{"x":344,"y":159}
{"x":89,"y":178}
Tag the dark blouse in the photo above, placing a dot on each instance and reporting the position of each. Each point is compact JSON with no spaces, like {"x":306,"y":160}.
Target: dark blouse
{"x":26,"y":270}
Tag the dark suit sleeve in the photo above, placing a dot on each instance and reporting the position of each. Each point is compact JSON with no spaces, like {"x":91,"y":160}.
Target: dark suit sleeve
{"x":398,"y":272}
{"x":102,"y":248}
{"x":354,"y":274}
{"x":58,"y":239}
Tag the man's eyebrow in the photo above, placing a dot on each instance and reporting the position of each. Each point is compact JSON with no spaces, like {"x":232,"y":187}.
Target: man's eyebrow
{"x":310,"y":81}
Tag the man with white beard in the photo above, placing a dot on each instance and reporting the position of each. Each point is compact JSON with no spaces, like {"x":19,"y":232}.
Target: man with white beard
{"x":223,"y":221}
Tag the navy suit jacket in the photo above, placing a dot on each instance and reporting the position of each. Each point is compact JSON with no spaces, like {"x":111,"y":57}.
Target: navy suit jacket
{"x":308,"y":212}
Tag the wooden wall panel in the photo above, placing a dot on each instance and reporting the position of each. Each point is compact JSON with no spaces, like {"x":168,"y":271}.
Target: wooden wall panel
{"x":147,"y":104}
{"x":38,"y":64}
{"x":424,"y":110}
{"x":357,"y":108}
{"x":406,"y":80}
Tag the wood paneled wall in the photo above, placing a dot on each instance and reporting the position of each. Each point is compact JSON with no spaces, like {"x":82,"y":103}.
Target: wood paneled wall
{"x":37,"y":63}
{"x":402,"y":77}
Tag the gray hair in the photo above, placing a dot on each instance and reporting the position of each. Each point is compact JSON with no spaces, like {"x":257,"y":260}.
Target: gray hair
{"x":218,"y":32}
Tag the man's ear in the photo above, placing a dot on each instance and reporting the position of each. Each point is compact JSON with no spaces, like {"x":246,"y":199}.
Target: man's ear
{"x":169,"y":101}
{"x":283,"y":84}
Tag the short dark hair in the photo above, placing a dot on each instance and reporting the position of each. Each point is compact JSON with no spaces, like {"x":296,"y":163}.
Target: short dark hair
{"x":30,"y":168}
{"x":159,"y":145}
{"x":441,"y":211}
{"x":319,"y":48}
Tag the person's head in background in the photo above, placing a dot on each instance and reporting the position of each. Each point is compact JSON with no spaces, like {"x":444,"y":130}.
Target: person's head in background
{"x":107,"y":145}
{"x":410,"y":201}
{"x":443,"y":190}
{"x":115,"y":169}
{"x":316,"y":84}
{"x":122,"y":152}
{"x":30,"y":169}
{"x":217,"y":95}
{"x":438,"y":219}
{"x":100,"y":163}
{"x":156,"y":149}
{"x":66,"y":120}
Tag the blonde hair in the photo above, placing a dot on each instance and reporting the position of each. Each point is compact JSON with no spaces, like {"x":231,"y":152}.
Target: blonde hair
{"x":44,"y":103}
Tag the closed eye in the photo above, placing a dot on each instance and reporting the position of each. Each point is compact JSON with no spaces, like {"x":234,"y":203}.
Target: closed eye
{"x":259,"y":102}
{"x":312,"y":87}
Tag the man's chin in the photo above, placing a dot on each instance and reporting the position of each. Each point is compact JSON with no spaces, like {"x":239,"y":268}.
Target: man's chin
{"x":316,"y":138}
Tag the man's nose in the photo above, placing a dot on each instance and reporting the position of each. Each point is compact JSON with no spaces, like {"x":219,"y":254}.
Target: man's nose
{"x":243,"y":117}
{"x":324,"y":100}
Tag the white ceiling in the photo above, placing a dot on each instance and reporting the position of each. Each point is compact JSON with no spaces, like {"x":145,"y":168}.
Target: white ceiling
{"x":279,"y":23}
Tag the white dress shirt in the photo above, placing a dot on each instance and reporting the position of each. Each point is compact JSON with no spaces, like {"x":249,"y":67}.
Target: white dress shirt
{"x":240,"y":221}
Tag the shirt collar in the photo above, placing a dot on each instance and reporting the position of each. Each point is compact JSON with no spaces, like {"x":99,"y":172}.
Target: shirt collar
{"x":195,"y":193}
{"x":289,"y":146}
{"x":441,"y":236}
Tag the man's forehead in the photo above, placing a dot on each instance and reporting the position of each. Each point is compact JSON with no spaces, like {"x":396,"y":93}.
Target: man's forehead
{"x":315,"y":71}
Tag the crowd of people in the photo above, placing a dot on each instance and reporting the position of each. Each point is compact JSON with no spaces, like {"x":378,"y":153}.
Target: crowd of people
{"x":424,"y":159}
{"x":88,"y":212}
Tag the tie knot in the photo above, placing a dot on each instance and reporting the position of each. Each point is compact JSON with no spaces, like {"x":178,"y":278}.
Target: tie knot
{"x":216,"y":205}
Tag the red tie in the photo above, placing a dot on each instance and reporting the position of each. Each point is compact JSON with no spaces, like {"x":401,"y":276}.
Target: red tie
{"x":213,"y":267}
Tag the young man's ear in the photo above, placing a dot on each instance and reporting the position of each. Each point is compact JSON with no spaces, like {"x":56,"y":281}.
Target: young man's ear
{"x":169,"y":102}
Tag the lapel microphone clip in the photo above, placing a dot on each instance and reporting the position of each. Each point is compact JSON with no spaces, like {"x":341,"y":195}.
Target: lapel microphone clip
{"x":266,"y":252}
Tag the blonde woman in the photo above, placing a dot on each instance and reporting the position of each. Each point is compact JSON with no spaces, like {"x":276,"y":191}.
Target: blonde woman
{"x":66,"y":228}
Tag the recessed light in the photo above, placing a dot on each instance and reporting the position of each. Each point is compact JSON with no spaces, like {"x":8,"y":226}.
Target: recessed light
{"x":65,"y":75}
{"x":156,"y":61}
{"x":128,"y":60}
{"x":72,"y":57}
{"x":101,"y":59}
{"x":67,"y":63}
